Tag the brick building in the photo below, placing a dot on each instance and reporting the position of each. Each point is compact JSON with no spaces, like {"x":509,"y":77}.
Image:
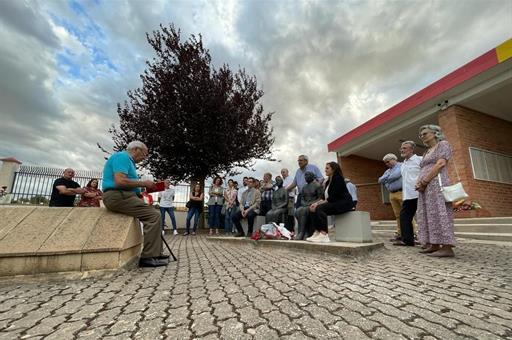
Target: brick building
{"x":473,"y":106}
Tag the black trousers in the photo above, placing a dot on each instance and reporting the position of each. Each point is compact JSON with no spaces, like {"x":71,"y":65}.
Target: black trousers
{"x":265,"y":207}
{"x":407,"y":213}
{"x":319,"y":217}
{"x":251,"y":216}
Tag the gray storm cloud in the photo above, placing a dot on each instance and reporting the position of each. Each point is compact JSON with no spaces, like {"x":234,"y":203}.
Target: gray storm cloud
{"x":325,"y":66}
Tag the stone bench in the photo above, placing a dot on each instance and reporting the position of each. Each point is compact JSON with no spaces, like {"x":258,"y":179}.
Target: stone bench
{"x":353,"y":226}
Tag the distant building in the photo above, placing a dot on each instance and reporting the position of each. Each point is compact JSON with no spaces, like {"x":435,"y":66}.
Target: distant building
{"x":473,"y":106}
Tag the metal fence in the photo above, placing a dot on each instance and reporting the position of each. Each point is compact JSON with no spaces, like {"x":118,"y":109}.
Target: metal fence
{"x":33,"y":185}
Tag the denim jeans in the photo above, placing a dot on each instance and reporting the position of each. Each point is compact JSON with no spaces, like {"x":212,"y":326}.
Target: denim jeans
{"x":170,"y":211}
{"x":228,"y":222}
{"x":214,"y":215}
{"x":194,"y":211}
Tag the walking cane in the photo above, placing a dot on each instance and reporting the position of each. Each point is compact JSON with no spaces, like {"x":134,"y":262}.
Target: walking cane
{"x":169,"y":248}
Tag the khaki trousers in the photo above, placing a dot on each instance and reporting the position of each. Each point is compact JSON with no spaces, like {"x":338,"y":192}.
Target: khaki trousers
{"x":395,"y":198}
{"x":127,"y":202}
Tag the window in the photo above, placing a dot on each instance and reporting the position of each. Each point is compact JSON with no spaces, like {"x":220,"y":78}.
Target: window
{"x":491,"y":166}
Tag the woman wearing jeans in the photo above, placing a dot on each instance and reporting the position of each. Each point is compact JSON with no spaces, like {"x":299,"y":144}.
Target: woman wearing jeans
{"x":215,"y":204}
{"x":230,"y":195}
{"x":195,"y":208}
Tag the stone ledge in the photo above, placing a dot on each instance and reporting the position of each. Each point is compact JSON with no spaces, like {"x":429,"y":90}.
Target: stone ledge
{"x":38,"y":240}
{"x":336,"y":248}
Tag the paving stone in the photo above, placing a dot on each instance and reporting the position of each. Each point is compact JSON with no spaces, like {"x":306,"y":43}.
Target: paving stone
{"x":289,"y":308}
{"x":223,"y":311}
{"x":92,"y":333}
{"x":66,"y":330}
{"x":316,"y":329}
{"x":47,"y":325}
{"x":150,"y":329}
{"x":203,"y":324}
{"x":263,"y":332}
{"x":178,"y":333}
{"x":351,"y":332}
{"x":125,"y":323}
{"x":280,"y":322}
{"x":397,"y":325}
{"x":322,"y":314}
{"x":240,"y":292}
{"x":382,"y":333}
{"x":466,"y":331}
{"x":250,"y":317}
{"x":232,"y":329}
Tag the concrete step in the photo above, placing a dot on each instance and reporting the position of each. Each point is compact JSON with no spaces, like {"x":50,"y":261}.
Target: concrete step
{"x":484,"y":220}
{"x":483,"y":228}
{"x":503,"y":237}
{"x":473,"y":228}
{"x":479,"y":220}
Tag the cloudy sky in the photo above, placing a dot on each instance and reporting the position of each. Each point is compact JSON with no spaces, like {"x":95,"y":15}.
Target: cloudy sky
{"x":325,"y":66}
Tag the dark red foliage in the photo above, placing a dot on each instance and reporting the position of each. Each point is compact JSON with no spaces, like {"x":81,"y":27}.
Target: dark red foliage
{"x":197,"y":121}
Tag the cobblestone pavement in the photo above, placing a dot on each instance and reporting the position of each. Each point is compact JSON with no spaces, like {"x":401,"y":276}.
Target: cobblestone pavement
{"x":224,"y":291}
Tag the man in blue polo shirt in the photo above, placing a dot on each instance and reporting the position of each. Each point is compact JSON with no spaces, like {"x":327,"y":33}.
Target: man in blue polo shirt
{"x":121,"y":188}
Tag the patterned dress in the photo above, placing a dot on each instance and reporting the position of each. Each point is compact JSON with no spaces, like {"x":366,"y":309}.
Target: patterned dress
{"x":434,"y":215}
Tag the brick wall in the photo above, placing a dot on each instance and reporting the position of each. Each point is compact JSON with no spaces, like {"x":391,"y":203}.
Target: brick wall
{"x":364,"y":172}
{"x":463,"y":128}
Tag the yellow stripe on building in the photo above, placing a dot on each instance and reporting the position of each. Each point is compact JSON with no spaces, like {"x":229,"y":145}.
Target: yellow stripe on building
{"x":504,"y":51}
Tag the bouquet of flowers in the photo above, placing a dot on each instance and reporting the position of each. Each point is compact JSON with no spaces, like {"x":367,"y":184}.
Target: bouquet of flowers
{"x":465,"y":205}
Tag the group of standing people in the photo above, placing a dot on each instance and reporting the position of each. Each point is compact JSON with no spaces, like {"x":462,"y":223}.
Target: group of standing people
{"x":306,"y":196}
{"x":414,"y":187}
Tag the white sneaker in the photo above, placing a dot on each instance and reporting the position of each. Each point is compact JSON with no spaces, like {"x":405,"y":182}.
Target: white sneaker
{"x":312,"y":237}
{"x":175,"y":232}
{"x":322,"y":238}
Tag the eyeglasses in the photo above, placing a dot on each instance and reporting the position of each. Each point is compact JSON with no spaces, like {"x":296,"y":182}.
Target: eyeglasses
{"x":421,"y":135}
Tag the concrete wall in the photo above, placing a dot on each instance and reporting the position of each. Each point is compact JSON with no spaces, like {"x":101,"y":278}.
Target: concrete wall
{"x":35,"y":240}
{"x":466,"y":128}
{"x":364,"y":173}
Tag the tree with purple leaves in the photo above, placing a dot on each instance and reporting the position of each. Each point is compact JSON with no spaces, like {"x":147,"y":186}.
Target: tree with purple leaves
{"x":197,"y":121}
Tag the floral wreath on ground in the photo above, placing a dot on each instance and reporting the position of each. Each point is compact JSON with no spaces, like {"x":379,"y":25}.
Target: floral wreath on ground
{"x":463,"y":205}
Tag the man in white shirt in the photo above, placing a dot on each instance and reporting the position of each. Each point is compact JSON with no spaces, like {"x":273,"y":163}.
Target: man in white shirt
{"x":166,"y":199}
{"x":287,"y":181}
{"x":410,"y":171}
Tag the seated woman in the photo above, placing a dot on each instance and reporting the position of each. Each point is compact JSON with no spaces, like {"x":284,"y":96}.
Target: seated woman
{"x":310,"y":193}
{"x":92,"y":195}
{"x":279,"y":204}
{"x":337,"y":200}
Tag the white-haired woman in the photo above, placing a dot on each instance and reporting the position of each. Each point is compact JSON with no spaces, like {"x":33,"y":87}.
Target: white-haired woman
{"x":434,"y":215}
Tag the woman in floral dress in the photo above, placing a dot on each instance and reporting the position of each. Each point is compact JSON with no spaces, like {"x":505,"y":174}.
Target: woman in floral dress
{"x":434,"y":215}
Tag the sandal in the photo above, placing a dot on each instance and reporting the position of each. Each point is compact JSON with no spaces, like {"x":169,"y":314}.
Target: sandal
{"x":429,"y":250}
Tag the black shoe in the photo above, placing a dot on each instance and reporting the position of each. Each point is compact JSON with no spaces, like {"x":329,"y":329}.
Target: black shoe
{"x":152,"y":262}
{"x":163,"y":257}
{"x":240,"y":235}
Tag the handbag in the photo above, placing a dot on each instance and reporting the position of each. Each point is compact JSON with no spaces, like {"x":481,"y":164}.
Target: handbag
{"x":452,"y":193}
{"x":188,"y":205}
